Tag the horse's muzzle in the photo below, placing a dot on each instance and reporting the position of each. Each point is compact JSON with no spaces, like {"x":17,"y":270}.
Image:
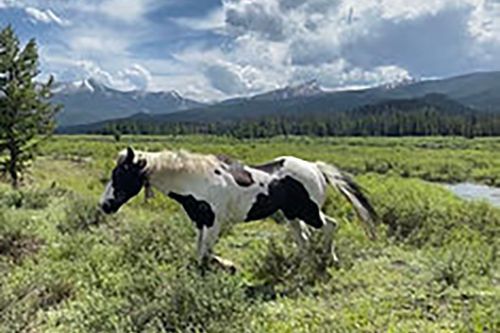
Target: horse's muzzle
{"x":109,"y":208}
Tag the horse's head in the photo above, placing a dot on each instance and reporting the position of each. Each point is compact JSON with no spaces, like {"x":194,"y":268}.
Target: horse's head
{"x":127,"y":180}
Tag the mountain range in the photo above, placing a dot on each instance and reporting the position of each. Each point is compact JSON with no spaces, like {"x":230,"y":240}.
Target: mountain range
{"x":89,"y":101}
{"x":91,"y":106}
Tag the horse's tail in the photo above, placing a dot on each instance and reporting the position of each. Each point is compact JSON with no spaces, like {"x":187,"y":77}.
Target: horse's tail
{"x":353,"y":192}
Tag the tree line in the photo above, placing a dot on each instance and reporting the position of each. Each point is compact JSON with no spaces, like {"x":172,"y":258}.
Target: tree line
{"x":432,"y":115}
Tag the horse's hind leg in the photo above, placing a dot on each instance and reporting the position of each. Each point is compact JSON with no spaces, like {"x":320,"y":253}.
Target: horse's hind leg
{"x":301,"y":234}
{"x":329,"y":227}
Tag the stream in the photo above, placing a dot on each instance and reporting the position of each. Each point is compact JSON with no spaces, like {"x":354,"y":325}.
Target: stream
{"x":471,"y":191}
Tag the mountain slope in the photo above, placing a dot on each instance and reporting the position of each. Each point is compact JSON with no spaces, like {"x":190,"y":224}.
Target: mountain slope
{"x":89,"y":101}
{"x":477,"y":90}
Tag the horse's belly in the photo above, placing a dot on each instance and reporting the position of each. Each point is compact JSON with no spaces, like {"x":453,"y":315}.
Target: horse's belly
{"x":263,"y":206}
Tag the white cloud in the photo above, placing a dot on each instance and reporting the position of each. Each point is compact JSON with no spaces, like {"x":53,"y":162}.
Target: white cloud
{"x":122,"y":76}
{"x":285,"y":42}
{"x":135,"y":77}
{"x":128,"y":11}
{"x":96,"y":41}
{"x":138,"y":76}
{"x":45,"y":16}
{"x":484,"y":24}
{"x":259,"y":17}
{"x":212,"y":21}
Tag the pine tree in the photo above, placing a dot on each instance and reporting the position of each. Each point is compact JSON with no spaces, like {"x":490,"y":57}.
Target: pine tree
{"x":26,"y":114}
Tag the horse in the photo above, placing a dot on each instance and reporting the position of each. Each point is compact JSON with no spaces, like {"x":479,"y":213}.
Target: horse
{"x":216,"y":191}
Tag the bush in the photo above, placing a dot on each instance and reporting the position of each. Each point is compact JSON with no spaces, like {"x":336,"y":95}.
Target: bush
{"x":30,"y":198}
{"x":287,"y":270}
{"x":15,"y":243}
{"x":21,"y":305}
{"x":81,"y":213}
{"x":36,"y":199}
{"x":418,"y":213}
{"x":158,"y":241}
{"x":188,"y":302}
{"x":11,"y":199}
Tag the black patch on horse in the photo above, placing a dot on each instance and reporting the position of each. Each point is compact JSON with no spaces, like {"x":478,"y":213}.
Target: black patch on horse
{"x":199,"y":211}
{"x":289,"y":196}
{"x":241,"y":176}
{"x":270,"y":167}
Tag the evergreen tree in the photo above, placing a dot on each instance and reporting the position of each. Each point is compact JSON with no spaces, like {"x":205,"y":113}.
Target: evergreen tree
{"x":26,"y":114}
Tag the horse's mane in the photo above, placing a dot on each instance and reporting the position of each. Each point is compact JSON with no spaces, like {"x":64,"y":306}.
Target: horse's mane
{"x":176,"y":161}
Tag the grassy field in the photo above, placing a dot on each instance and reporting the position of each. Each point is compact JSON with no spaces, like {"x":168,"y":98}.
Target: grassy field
{"x":64,"y":267}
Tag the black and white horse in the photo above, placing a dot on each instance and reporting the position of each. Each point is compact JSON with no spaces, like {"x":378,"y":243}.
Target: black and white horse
{"x":215,"y":190}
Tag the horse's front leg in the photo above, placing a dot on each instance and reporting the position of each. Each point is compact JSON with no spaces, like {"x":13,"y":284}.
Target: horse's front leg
{"x":207,"y":238}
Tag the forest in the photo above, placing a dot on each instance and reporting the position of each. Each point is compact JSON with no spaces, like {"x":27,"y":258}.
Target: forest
{"x":431,"y":115}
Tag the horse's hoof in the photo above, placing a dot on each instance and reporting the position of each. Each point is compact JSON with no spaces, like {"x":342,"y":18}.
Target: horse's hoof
{"x":232,"y":270}
{"x":224,"y":264}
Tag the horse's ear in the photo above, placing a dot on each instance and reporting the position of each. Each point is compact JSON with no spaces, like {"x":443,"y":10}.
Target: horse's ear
{"x":130,"y":155}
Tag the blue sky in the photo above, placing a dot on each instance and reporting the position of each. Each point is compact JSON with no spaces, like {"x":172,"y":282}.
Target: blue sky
{"x":215,"y":49}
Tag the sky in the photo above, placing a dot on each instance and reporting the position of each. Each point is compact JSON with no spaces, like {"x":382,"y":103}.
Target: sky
{"x":216,"y":49}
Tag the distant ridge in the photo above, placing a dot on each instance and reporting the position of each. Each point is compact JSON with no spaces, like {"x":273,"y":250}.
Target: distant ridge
{"x":89,"y":101}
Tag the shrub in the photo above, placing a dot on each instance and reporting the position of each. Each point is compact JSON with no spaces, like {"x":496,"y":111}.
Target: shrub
{"x":36,"y":199}
{"x":158,"y":241}
{"x":30,"y":198}
{"x":287,"y":270}
{"x":188,"y":302}
{"x":21,"y":306}
{"x":418,"y":213}
{"x":15,"y":243}
{"x":81,"y":213}
{"x":11,"y":199}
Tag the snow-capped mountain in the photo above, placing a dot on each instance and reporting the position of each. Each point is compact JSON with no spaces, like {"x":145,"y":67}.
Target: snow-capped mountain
{"x":87,"y":85}
{"x":304,"y":90}
{"x":89,"y":101}
{"x":400,"y":83}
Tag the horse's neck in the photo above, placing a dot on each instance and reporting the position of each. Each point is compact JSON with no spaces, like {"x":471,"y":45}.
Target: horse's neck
{"x":168,"y":178}
{"x":175,"y":181}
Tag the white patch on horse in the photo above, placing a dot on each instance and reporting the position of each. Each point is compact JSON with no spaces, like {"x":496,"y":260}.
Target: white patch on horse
{"x":109,"y":193}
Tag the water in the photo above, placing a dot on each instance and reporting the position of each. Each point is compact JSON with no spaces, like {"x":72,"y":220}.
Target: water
{"x":471,"y":191}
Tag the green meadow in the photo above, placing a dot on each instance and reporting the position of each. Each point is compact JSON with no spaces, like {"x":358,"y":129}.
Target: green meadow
{"x":435,"y":267}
